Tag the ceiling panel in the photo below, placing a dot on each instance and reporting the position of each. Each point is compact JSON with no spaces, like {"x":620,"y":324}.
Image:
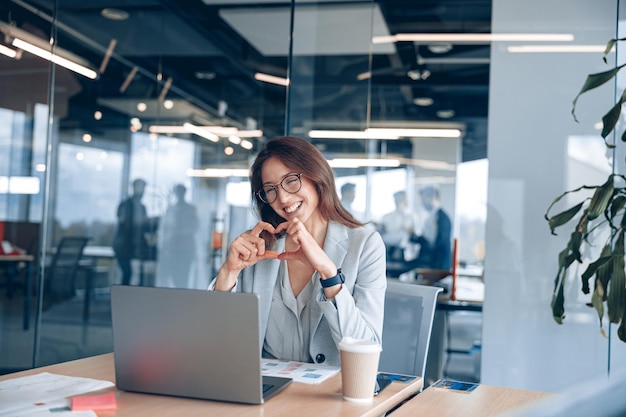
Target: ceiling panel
{"x":210,"y":50}
{"x":320,"y":30}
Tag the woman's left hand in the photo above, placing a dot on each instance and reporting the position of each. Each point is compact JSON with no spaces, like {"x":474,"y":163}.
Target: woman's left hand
{"x":309,"y":251}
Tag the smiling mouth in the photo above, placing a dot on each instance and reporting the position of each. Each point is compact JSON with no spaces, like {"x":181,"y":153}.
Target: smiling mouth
{"x":293,"y":207}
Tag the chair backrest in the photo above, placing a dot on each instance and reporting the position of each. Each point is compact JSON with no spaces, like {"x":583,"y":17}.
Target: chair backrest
{"x":61,"y":272}
{"x":409,"y":314}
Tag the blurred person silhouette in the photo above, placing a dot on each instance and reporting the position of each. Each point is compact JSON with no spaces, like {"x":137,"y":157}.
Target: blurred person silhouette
{"x":348,"y":193}
{"x":129,"y":241}
{"x":396,"y":228}
{"x":435,"y":239}
{"x":178,"y":248}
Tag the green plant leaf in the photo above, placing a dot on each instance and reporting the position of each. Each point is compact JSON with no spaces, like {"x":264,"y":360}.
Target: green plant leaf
{"x":558,"y":301}
{"x":563,"y":217}
{"x":617,"y":290}
{"x":617,"y":204}
{"x":609,"y":46}
{"x":559,"y":198}
{"x":610,"y":119}
{"x":601,"y":198}
{"x":571,"y":252}
{"x":597,"y":300}
{"x":621,"y":330}
{"x":593,"y":267}
{"x":594,"y":81}
{"x":603,"y":274}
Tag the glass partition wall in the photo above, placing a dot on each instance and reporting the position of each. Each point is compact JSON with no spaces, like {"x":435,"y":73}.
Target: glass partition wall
{"x":171,"y":100}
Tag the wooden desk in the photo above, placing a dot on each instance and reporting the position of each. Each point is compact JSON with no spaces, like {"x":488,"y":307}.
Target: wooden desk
{"x":28,"y":260}
{"x":484,"y":401}
{"x":297,"y":399}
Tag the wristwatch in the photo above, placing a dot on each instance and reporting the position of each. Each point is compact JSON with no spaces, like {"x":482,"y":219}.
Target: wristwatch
{"x":332,"y":281}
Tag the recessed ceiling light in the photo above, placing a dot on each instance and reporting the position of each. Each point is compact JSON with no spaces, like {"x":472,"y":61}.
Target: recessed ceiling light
{"x":423,"y":101}
{"x":445,"y":114}
{"x":205,"y":75}
{"x":114,"y":14}
{"x":417,"y":74}
{"x":440,"y":47}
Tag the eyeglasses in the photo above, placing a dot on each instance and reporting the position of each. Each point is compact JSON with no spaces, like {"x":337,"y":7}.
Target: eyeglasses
{"x":290,"y":183}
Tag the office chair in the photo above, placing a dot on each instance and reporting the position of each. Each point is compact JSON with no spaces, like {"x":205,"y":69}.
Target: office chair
{"x":60,"y":274}
{"x":407,"y":326}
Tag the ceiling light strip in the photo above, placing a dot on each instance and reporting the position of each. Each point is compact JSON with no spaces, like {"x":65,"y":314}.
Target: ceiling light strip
{"x":11,"y":53}
{"x":66,"y":63}
{"x":201,"y":132}
{"x":349,"y":134}
{"x":358,"y":163}
{"x":216,"y":130}
{"x":19,"y":185}
{"x":556,"y":48}
{"x":417,"y":133}
{"x":249,"y":133}
{"x":474,"y":37}
{"x":272,"y":79}
{"x":167,"y":129}
{"x":387,"y":133}
{"x":218,"y":172}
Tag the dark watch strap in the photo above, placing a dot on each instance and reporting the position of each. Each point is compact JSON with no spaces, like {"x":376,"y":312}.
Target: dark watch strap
{"x":332,"y":281}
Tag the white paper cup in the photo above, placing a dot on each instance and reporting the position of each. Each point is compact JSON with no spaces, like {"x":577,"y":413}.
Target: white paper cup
{"x":359,"y":366}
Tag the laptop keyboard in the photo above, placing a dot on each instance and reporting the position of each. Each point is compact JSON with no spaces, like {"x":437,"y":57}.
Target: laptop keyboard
{"x":267,"y":387}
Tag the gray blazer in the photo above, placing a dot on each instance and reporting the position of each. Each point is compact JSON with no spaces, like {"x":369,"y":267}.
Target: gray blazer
{"x":357,"y":310}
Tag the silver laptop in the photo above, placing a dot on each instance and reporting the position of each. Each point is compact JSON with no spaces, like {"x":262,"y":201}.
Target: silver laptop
{"x":189,"y":343}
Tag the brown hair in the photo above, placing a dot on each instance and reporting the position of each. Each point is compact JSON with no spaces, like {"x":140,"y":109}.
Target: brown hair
{"x":300,"y":156}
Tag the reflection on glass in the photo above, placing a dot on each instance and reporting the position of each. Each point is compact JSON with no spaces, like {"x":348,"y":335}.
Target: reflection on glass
{"x":159,"y":68}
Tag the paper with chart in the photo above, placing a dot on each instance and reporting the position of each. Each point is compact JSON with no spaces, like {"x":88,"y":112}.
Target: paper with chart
{"x":308,"y":373}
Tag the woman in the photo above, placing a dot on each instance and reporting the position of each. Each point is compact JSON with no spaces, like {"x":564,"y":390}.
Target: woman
{"x":319,"y":274}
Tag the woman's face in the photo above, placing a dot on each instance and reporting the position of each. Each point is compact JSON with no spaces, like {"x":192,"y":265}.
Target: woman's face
{"x":303,"y":204}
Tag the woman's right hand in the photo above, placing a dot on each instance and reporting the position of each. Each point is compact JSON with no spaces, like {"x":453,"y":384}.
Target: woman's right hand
{"x":246,"y":250}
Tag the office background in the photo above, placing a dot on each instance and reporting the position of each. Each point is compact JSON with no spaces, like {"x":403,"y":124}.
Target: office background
{"x":83,"y":141}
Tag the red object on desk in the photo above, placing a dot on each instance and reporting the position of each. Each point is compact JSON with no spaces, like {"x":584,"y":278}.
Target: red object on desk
{"x":1,"y":231}
{"x":6,"y":248}
{"x":455,"y":266}
{"x":94,"y":402}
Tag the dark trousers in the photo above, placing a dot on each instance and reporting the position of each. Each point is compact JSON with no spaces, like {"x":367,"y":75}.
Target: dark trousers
{"x":125,"y":266}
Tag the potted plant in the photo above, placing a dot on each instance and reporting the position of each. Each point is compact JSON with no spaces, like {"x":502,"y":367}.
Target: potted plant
{"x":604,"y":210}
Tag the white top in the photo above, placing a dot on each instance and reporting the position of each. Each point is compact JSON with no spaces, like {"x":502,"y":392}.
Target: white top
{"x":289,"y":312}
